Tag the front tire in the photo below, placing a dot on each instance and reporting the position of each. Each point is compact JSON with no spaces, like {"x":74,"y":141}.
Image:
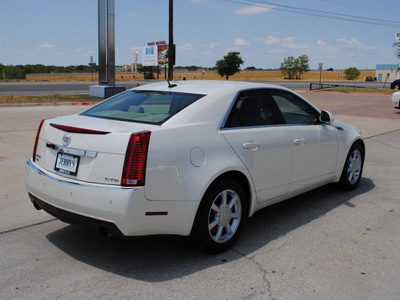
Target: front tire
{"x":352,"y":170}
{"x":220,"y":217}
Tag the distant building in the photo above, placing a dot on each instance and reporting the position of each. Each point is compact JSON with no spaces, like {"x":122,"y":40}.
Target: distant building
{"x":387,"y":72}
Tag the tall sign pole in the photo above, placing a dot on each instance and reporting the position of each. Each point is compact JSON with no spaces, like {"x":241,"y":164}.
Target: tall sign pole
{"x":111,"y":42}
{"x":102,"y":42}
{"x":171,"y":49}
{"x":106,"y":87}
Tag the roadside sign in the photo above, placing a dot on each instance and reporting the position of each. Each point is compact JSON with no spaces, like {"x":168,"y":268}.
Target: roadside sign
{"x":398,"y":36}
{"x":149,"y":56}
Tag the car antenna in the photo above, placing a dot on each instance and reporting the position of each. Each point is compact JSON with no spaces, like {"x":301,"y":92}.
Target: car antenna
{"x":171,"y":85}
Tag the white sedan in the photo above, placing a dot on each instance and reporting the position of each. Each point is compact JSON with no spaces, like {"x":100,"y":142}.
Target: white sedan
{"x":396,"y":100}
{"x":191,"y":158}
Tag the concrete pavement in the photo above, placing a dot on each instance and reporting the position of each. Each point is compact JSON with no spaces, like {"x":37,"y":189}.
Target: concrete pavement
{"x":325,"y":244}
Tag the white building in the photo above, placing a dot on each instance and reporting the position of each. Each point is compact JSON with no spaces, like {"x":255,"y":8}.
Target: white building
{"x":387,"y":72}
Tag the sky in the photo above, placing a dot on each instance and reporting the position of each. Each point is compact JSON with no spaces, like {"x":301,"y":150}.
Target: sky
{"x":337,"y":33}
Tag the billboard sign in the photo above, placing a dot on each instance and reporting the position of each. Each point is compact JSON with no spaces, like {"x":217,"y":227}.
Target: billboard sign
{"x":398,"y":36}
{"x":155,"y":53}
{"x":162,"y":52}
{"x":150,"y":56}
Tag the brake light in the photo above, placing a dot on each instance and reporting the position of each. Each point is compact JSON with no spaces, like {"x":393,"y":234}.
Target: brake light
{"x":37,"y":141}
{"x":134,"y":172}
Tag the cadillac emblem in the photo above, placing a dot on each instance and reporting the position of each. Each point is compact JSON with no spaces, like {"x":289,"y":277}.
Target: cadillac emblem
{"x":66,"y":139}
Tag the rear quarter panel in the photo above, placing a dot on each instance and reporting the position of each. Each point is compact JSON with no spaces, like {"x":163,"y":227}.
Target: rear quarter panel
{"x":188,"y":152}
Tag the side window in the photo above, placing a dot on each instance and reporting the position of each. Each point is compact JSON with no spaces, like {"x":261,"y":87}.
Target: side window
{"x":293,"y":109}
{"x":251,"y":109}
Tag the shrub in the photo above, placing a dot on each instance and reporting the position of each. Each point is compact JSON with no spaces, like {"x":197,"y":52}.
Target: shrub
{"x":352,"y":73}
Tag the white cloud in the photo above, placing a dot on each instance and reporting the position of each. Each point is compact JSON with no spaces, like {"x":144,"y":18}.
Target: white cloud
{"x":286,"y":42}
{"x":186,"y":48}
{"x":85,"y":52}
{"x":134,"y":48}
{"x":46,"y":45}
{"x":269,"y":40}
{"x":241,"y":42}
{"x":289,"y":39}
{"x":349,"y":43}
{"x":131,"y":14}
{"x":251,"y":10}
{"x":320,"y":42}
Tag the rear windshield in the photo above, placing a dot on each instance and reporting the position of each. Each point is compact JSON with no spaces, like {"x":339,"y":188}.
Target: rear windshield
{"x":150,"y":107}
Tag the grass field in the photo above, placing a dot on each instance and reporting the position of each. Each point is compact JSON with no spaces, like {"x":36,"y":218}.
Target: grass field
{"x":270,"y":76}
{"x":46,"y":99}
{"x":274,"y":75}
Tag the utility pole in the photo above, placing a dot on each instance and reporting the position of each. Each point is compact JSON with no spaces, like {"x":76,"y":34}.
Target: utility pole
{"x":171,"y":46}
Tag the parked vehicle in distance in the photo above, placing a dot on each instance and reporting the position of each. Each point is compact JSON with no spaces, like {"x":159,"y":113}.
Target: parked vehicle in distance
{"x":190,"y":158}
{"x":395,"y":85}
{"x":396,"y":100}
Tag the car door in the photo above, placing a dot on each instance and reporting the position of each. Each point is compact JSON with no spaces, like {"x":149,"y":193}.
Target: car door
{"x":263,"y":147}
{"x":315,"y":144}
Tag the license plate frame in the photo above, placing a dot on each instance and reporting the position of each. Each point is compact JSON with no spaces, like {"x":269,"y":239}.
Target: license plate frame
{"x":67,"y":163}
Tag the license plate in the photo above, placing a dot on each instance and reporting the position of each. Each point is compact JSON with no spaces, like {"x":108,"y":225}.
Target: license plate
{"x":66,"y":163}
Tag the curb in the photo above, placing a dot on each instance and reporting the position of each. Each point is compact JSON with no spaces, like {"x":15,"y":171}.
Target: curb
{"x":49,"y":104}
{"x":349,"y":92}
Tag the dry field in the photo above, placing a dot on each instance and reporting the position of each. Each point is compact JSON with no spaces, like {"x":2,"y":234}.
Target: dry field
{"x":276,"y":75}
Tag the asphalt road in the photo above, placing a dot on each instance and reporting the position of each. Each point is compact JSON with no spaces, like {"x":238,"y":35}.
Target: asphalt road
{"x":68,"y":88}
{"x":326,"y":244}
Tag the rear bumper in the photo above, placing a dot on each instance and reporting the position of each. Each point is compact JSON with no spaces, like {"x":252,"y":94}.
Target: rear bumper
{"x":122,"y":211}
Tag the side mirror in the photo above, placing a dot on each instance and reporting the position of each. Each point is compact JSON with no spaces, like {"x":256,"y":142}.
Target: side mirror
{"x":326,"y":117}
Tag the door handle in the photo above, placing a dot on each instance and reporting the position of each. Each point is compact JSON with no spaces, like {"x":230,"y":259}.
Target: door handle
{"x":251,"y":145}
{"x":299,"y":141}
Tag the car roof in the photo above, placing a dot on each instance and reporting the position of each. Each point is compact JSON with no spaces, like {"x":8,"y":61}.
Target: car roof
{"x":205,"y":87}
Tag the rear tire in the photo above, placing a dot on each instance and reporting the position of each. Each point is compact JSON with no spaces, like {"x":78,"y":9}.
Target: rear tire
{"x":220,"y":217}
{"x":353,"y":167}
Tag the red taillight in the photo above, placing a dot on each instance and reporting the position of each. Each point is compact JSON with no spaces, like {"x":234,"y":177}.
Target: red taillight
{"x":134,"y":173}
{"x":37,"y":141}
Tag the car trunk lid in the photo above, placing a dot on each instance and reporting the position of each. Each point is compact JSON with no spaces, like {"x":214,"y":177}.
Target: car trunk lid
{"x":85,"y":148}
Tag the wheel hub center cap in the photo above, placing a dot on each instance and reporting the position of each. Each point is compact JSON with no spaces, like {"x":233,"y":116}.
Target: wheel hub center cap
{"x":225,"y":216}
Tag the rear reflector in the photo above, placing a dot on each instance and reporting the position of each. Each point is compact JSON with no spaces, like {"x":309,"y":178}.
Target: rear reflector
{"x":77,"y":129}
{"x":37,"y":141}
{"x":134,"y":172}
{"x":156,"y":213}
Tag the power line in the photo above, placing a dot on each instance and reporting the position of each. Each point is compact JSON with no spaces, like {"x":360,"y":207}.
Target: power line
{"x":318,"y":13}
{"x":362,"y":7}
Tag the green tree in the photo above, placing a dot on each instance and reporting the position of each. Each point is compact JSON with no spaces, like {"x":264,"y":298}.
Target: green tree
{"x":1,"y":71}
{"x":13,"y":72}
{"x":352,"y":73}
{"x":229,"y":65}
{"x":289,"y":67}
{"x":302,"y":65}
{"x":397,"y":54}
{"x":295,"y":67}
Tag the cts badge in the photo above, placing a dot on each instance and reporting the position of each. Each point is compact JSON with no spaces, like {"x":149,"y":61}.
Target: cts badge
{"x":66,"y":139}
